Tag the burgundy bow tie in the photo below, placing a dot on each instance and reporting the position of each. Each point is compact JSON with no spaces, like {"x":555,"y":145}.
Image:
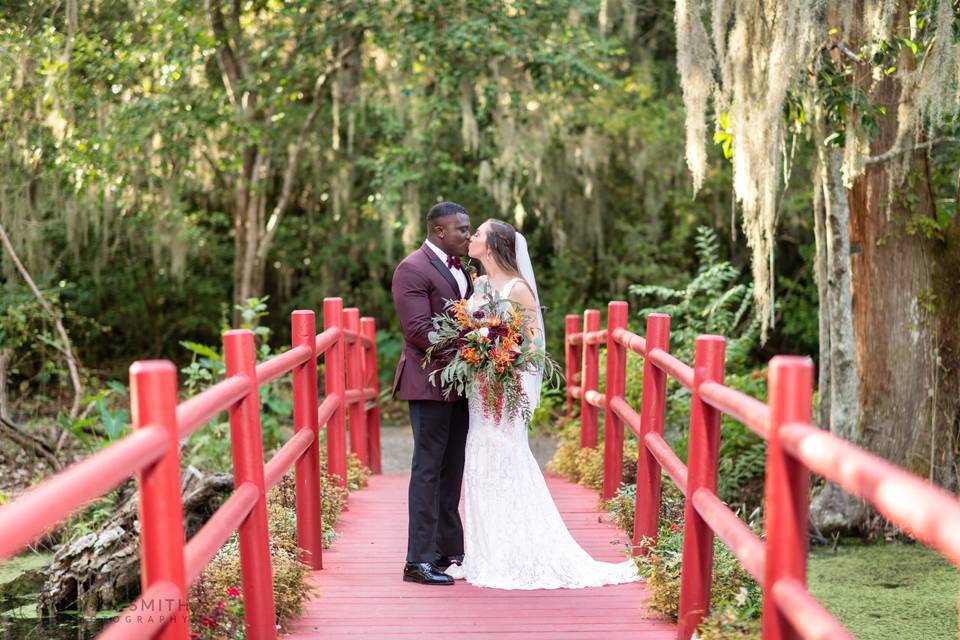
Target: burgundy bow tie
{"x":453,"y":262}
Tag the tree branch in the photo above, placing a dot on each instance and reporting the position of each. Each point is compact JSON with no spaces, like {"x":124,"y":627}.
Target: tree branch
{"x":67,"y":350}
{"x":842,"y":48}
{"x":16,"y":434}
{"x":896,"y":151}
{"x":230,"y":69}
{"x":294,"y":158}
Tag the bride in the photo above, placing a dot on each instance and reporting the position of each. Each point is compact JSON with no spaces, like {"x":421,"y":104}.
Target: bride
{"x":514,"y":535}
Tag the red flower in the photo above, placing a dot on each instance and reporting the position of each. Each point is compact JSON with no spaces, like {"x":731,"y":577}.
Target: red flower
{"x":233,"y":592}
{"x":222,"y":605}
{"x":210,"y":623}
{"x":675,"y":527}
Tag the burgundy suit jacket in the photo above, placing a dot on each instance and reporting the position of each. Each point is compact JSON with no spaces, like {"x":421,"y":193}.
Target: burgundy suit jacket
{"x":422,"y":285}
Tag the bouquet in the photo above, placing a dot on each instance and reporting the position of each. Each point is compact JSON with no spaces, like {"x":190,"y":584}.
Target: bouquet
{"x":486,"y":349}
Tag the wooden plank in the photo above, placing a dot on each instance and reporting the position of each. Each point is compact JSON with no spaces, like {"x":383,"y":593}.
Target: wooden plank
{"x":360,"y":593}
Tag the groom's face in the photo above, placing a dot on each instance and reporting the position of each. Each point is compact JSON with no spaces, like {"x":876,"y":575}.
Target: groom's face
{"x":454,"y":234}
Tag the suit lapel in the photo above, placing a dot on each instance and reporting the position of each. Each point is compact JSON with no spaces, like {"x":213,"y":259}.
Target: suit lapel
{"x":442,"y":268}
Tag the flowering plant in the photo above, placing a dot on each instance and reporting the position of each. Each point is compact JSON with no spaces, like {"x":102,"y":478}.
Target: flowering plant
{"x":486,"y":349}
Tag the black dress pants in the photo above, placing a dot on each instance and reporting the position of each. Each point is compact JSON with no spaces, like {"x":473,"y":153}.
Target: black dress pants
{"x":439,"y":440}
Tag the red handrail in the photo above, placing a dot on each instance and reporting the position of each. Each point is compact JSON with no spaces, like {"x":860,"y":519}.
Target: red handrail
{"x":168,"y":565}
{"x":795,"y":447}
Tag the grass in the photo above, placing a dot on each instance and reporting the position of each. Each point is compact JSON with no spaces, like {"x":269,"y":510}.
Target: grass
{"x":887,"y":591}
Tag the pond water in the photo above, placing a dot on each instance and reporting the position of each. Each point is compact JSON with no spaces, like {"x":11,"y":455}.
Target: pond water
{"x":19,"y":620}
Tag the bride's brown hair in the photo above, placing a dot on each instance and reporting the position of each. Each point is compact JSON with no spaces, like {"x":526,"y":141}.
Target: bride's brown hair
{"x":502,"y":243}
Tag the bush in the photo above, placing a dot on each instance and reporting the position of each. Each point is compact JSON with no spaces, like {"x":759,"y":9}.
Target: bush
{"x":660,"y":566}
{"x":564,"y":460}
{"x":590,"y":467}
{"x":357,"y":475}
{"x":216,"y":599}
{"x":713,"y":302}
{"x":621,"y":507}
{"x":727,"y":624}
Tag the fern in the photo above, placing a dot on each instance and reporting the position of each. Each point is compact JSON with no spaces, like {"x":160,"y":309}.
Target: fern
{"x":714,"y":301}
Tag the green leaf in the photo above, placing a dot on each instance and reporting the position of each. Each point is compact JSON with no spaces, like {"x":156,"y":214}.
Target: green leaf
{"x":201,"y":350}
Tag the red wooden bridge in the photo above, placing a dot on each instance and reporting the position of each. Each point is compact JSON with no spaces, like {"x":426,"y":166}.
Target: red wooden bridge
{"x":359,"y":592}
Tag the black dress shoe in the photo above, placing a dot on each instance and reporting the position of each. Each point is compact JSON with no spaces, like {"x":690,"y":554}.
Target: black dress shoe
{"x":444,"y":562}
{"x":424,"y":573}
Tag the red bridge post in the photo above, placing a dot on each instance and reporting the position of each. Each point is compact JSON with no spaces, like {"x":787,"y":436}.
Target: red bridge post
{"x":303,"y":331}
{"x":787,"y":489}
{"x":333,"y":361}
{"x":246,"y":441}
{"x":697,"y":567}
{"x":368,"y":327}
{"x":589,"y":381}
{"x":153,"y":401}
{"x":646,"y":516}
{"x":573,"y":357}
{"x":357,"y":421}
{"x":617,"y":313}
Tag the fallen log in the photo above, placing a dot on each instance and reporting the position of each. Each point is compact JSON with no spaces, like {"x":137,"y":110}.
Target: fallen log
{"x":101,"y":570}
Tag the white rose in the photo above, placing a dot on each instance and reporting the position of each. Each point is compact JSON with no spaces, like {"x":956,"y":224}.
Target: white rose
{"x":484,"y":332}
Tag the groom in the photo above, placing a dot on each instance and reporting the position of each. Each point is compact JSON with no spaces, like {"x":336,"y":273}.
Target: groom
{"x":422,"y":285}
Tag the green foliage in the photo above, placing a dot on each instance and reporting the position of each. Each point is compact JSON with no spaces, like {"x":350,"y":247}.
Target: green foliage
{"x":713,"y":302}
{"x":564,"y":460}
{"x":659,"y":564}
{"x":357,"y":474}
{"x":205,"y":449}
{"x":621,"y":507}
{"x":39,"y":368}
{"x":216,"y":600}
{"x":728,"y":624}
{"x":590,"y":467}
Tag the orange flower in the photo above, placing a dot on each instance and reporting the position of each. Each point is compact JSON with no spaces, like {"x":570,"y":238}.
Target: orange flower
{"x":460,"y":313}
{"x":516,"y":319}
{"x":470,"y":355}
{"x":495,"y":322}
{"x":502,"y":358}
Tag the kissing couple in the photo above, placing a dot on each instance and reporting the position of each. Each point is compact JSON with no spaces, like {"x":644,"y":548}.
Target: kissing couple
{"x":514,"y":537}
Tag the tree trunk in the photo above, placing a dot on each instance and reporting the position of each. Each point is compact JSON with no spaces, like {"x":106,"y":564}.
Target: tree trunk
{"x":832,"y":508}
{"x":905,"y":311}
{"x":896,"y":327}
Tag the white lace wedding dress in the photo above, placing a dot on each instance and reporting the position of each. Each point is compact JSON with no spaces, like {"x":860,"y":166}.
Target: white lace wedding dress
{"x":514,"y":536}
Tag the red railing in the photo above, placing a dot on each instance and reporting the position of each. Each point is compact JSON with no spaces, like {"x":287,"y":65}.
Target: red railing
{"x":794,"y":448}
{"x":168,"y":564}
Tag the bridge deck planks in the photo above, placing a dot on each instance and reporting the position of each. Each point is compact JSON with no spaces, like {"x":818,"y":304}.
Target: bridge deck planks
{"x":360,"y":593}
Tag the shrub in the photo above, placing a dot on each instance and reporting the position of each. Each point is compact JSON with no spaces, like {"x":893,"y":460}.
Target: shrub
{"x":333,"y":498}
{"x":727,"y":624}
{"x":621,"y":507}
{"x":714,"y":301}
{"x":660,"y":566}
{"x":590,"y":467}
{"x":216,"y":600}
{"x":564,"y":460}
{"x":585,"y":466}
{"x":357,"y":474}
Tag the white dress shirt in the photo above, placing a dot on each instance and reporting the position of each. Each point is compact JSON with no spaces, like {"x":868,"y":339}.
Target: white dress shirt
{"x":458,"y":274}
